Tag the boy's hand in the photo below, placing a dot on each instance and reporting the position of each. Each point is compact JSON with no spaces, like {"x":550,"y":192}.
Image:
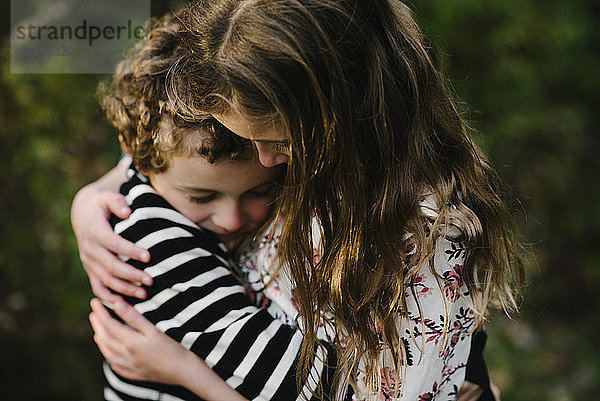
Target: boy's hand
{"x":469,"y":392}
{"x":472,"y":392}
{"x":99,"y":245}
{"x":136,"y":350}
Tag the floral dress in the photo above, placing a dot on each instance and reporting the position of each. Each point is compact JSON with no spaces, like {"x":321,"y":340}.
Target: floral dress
{"x":436,"y":334}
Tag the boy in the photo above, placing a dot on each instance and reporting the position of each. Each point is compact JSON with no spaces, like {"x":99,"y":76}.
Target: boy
{"x":191,"y":188}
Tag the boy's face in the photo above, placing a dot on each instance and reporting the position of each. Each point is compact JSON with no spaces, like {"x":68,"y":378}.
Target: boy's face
{"x":229,"y":198}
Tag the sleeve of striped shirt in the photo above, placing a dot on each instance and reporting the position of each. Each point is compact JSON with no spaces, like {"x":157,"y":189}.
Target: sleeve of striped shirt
{"x":196,"y":300}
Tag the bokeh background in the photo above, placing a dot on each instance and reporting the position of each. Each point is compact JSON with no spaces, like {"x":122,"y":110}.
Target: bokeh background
{"x":528,"y":77}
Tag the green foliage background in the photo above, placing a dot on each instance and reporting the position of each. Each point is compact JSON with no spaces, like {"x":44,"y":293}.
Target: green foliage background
{"x":528,"y":76}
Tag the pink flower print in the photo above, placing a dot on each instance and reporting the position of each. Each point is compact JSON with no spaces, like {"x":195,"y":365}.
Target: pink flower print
{"x":316,"y":256}
{"x":424,"y":291}
{"x":269,"y":238}
{"x":389,"y":382}
{"x":276,"y":288}
{"x":295,"y":303}
{"x":457,"y":328}
{"x":458,"y":270}
{"x":453,"y":282}
{"x":454,"y":339}
{"x":420,"y":289}
{"x":264,"y":303}
{"x":426,"y":397}
{"x":457,"y":325}
{"x":451,"y":292}
{"x":430,"y":396}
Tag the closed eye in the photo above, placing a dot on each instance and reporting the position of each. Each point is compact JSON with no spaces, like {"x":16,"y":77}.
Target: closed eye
{"x":281,"y":147}
{"x":203,"y":199}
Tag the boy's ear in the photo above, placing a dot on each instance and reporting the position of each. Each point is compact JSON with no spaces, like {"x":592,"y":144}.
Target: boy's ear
{"x":125,"y":149}
{"x":124,"y":146}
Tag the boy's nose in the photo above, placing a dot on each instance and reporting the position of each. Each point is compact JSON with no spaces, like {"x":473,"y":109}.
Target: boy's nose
{"x":229,"y":217}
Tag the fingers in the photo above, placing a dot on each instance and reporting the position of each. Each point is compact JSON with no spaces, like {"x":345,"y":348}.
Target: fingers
{"x":102,"y":339}
{"x":106,"y":326}
{"x":495,"y":391}
{"x":133,"y":318}
{"x":117,"y":205}
{"x":124,"y":371}
{"x":127,"y":272}
{"x":115,"y":274}
{"x":106,"y":238}
{"x":136,"y":349}
{"x":122,"y":277}
{"x":98,"y":244}
{"x":91,"y":226}
{"x":109,"y":269}
{"x":469,"y":392}
{"x":110,"y":326}
{"x":101,"y":291}
{"x":114,"y":352}
{"x":119,"y":343}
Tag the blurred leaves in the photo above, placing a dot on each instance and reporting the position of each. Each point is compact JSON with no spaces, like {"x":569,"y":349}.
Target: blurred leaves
{"x":527,"y":73}
{"x":53,"y":142}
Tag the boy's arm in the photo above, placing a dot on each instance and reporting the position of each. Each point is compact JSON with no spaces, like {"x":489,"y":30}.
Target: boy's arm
{"x":168,"y":362}
{"x":197,"y":301}
{"x":97,"y":242}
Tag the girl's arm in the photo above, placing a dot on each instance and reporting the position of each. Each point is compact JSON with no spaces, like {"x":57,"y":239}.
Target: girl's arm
{"x":99,"y":245}
{"x":126,"y":347}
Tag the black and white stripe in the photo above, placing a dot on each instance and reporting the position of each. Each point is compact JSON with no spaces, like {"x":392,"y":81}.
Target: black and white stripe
{"x":198,"y":302}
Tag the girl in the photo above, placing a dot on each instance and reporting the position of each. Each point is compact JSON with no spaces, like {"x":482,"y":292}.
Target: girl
{"x":383,"y":183}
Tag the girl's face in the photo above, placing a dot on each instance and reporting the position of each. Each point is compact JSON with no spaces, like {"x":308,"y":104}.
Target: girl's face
{"x":273,"y":147}
{"x":229,"y":198}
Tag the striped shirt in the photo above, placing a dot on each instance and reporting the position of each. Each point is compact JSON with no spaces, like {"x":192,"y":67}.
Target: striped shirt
{"x":197,"y":301}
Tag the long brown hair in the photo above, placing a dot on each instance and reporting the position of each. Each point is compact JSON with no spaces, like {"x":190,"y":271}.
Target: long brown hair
{"x":372,"y":127}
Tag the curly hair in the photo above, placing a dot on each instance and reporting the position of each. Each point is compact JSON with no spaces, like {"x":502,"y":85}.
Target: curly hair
{"x":136,"y":104}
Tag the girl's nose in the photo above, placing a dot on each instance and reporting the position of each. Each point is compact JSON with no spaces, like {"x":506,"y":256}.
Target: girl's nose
{"x":268,"y":156}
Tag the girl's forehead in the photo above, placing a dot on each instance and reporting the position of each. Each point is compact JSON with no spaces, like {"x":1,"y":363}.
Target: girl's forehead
{"x":249,"y":129}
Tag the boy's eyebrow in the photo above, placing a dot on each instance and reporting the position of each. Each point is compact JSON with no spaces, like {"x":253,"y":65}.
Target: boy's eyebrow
{"x":269,"y":181}
{"x":197,"y":189}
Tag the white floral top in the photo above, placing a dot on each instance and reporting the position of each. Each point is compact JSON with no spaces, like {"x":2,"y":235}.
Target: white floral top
{"x":436,"y":358}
